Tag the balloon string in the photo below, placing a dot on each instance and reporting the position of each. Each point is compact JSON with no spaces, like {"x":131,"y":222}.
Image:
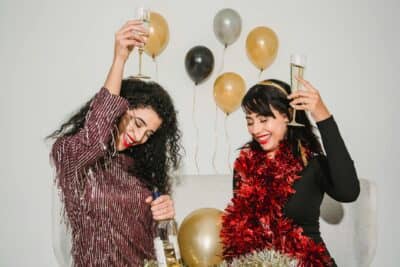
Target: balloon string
{"x":196,"y":147}
{"x":259,"y":75}
{"x":223,"y":60}
{"x":216,"y":140}
{"x":216,"y":115}
{"x":229,"y":143}
{"x":156,"y":67}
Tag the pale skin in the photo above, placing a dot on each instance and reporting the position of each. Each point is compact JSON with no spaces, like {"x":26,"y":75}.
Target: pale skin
{"x":131,"y":35}
{"x":270,"y":131}
{"x":136,"y":125}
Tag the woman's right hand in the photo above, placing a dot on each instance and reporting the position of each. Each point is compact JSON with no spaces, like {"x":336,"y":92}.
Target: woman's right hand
{"x":131,"y":35}
{"x":162,"y":208}
{"x":309,"y":100}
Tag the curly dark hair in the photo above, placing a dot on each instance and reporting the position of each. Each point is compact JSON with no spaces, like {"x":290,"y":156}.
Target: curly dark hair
{"x":259,"y":99}
{"x":155,"y":159}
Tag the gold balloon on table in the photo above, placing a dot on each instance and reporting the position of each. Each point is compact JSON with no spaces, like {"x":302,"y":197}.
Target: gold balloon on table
{"x":198,"y":238}
{"x":229,"y":89}
{"x":158,"y":35}
{"x":262,"y":46}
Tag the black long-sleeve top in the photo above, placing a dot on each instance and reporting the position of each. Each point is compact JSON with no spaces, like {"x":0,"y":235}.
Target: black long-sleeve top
{"x":333,"y":174}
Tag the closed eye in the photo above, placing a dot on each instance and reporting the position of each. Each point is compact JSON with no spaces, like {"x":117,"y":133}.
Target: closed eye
{"x":139,"y":123}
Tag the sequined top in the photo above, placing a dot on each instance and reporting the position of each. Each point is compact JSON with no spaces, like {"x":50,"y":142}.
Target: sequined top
{"x":105,"y":205}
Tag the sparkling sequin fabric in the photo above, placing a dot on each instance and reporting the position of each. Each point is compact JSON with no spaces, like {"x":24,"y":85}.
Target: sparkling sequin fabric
{"x":105,"y":205}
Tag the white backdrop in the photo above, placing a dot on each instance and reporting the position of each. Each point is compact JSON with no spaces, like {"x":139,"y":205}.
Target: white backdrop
{"x":54,"y":55}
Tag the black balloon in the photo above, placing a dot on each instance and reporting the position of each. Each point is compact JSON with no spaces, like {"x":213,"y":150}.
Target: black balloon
{"x":199,"y":63}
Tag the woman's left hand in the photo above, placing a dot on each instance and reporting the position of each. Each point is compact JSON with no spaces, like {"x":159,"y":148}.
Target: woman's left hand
{"x":308,"y":99}
{"x":162,"y":208}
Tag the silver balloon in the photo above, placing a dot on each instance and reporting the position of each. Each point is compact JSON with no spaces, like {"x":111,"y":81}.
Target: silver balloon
{"x":227,"y":26}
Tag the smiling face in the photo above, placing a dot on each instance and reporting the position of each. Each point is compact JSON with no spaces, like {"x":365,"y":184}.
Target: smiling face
{"x":267,"y":130}
{"x":136,"y":126}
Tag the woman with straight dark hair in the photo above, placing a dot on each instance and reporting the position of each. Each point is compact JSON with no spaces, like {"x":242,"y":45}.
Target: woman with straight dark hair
{"x":282,"y":174}
{"x":109,"y":157}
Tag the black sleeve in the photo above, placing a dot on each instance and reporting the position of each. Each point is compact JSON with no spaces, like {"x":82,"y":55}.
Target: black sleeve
{"x":339,"y":179}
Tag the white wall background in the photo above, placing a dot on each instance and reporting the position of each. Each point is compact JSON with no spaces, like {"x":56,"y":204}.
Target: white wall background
{"x":55,"y":54}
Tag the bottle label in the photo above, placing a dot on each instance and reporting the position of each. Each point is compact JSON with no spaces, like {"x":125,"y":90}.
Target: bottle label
{"x":159,"y":248}
{"x":173,"y":239}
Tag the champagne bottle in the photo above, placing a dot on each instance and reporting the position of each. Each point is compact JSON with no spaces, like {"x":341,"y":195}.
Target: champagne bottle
{"x":166,"y":241}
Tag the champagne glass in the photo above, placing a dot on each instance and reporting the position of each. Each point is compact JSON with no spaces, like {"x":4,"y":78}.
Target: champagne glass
{"x":297,"y":65}
{"x":143,"y":15}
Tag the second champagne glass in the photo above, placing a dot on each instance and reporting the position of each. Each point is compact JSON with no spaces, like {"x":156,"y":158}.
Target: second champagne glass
{"x":143,"y":15}
{"x":297,"y":65}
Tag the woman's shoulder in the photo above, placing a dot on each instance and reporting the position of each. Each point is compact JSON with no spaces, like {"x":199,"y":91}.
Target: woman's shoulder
{"x":318,"y":166}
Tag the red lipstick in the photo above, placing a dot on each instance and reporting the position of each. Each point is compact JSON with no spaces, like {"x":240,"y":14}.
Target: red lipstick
{"x":128,"y":140}
{"x":260,"y":139}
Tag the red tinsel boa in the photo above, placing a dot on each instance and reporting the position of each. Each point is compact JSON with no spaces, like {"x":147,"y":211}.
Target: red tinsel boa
{"x":254,"y":219}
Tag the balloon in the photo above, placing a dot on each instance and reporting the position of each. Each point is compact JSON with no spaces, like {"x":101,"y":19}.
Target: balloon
{"x":227,"y":26}
{"x":198,"y":238}
{"x":262,"y":47}
{"x":158,"y":35}
{"x":199,"y":63}
{"x":331,"y":211}
{"x":229,"y":89}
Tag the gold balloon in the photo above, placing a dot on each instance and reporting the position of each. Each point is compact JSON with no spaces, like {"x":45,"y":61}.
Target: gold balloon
{"x":198,"y":238}
{"x":229,"y":89}
{"x":158,"y":35}
{"x":262,"y":46}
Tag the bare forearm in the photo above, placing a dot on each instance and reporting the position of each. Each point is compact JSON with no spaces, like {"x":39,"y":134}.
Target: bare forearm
{"x":114,"y":77}
{"x":131,"y":35}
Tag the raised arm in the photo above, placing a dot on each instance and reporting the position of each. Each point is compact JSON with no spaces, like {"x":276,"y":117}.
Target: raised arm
{"x":75,"y":152}
{"x":339,"y":177}
{"x":91,"y":142}
{"x":131,"y":35}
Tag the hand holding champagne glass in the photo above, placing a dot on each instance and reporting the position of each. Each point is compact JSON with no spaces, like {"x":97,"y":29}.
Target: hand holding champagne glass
{"x":143,"y":15}
{"x":297,"y":65}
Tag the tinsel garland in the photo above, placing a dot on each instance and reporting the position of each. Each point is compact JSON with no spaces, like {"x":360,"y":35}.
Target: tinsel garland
{"x":265,"y":258}
{"x":150,"y":263}
{"x":254,"y":220}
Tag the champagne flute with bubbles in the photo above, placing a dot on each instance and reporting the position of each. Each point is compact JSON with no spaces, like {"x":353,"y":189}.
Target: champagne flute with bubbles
{"x":142,"y":14}
{"x":297,"y":65}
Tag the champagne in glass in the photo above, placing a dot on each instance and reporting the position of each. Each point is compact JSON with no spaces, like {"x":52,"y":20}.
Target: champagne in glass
{"x":297,"y":65}
{"x":143,"y":15}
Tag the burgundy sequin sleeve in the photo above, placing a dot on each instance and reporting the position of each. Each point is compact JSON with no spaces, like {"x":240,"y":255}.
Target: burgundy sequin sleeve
{"x":71,"y":155}
{"x":93,"y":140}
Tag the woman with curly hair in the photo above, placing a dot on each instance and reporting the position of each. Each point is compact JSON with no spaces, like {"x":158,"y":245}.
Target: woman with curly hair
{"x":282,"y":174}
{"x":109,"y":156}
